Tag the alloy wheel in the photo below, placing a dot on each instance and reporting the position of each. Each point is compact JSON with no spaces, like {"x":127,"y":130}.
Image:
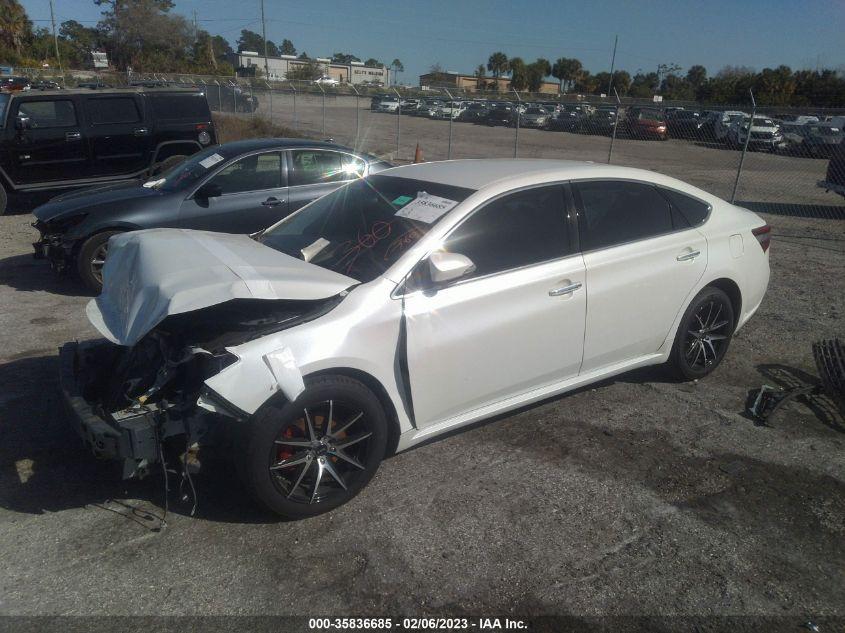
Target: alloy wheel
{"x":98,"y":260}
{"x":707,"y":336}
{"x":319,"y":455}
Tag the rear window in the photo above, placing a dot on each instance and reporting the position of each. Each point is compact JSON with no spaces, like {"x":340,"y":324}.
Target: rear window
{"x":192,"y":107}
{"x":692,"y":211}
{"x":113,"y":110}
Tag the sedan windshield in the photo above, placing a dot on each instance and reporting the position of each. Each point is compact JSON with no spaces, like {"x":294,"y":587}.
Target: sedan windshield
{"x":362,"y":229}
{"x":191,"y":170}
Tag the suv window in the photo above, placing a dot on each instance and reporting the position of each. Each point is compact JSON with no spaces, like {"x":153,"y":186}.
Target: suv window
{"x":251,"y":173}
{"x":180,"y":106}
{"x":47,"y":114}
{"x":113,"y":110}
{"x":615,"y":212}
{"x":686,"y":210}
{"x":519,"y":229}
{"x":310,"y":167}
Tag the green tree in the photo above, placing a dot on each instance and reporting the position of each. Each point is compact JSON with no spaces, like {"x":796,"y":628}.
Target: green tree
{"x":307,"y":71}
{"x":622,"y":82}
{"x":397,"y":67}
{"x":287,"y":47}
{"x":250,"y":41}
{"x":566,"y":70}
{"x":519,"y":73}
{"x":498,"y":64}
{"x":696,"y":75}
{"x":344,"y":58}
{"x":535,"y":73}
{"x":373,"y":63}
{"x":15,"y":25}
{"x":480,"y":77}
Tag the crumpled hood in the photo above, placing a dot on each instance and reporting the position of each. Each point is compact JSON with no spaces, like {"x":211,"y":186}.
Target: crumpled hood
{"x":152,"y":274}
{"x":91,"y":199}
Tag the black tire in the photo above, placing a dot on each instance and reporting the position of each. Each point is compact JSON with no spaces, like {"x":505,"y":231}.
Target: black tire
{"x":167,"y":163}
{"x":704,"y":334}
{"x":92,"y":252}
{"x":307,"y":487}
{"x":4,"y":201}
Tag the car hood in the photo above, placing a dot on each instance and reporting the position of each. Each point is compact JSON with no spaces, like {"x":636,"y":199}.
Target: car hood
{"x":155,"y":273}
{"x":87,"y":199}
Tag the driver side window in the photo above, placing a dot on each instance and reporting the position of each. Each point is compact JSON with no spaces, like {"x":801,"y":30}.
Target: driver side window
{"x":251,"y":173}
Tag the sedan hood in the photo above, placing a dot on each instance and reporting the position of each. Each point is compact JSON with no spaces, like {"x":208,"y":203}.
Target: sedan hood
{"x":88,"y":199}
{"x":152,"y":274}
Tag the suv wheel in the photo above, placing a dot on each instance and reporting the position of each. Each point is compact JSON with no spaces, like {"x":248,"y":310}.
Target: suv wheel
{"x":704,"y":334}
{"x":91,"y":258}
{"x":303,"y":458}
{"x":4,"y":201}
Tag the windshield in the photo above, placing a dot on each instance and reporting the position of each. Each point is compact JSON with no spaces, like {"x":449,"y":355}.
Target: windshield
{"x":535,"y":111}
{"x":649,"y":115}
{"x":762,"y":123}
{"x":362,"y":229}
{"x":190,"y":171}
{"x":4,"y":103}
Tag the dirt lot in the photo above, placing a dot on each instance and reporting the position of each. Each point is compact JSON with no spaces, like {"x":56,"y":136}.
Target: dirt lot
{"x":638,"y":496}
{"x":769,"y":181}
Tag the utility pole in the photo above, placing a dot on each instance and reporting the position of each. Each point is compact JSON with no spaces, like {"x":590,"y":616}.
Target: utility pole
{"x":56,"y":42}
{"x":264,"y":36}
{"x":612,"y":64}
{"x":196,"y":31}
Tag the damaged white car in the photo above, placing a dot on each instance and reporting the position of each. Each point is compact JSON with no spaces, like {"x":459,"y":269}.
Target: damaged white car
{"x":400,"y":307}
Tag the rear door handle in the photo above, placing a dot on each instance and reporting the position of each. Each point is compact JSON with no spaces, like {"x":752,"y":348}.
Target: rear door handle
{"x":688,"y":256}
{"x":565,"y":289}
{"x":141,"y":131}
{"x":271,"y":202}
{"x":73,"y":136}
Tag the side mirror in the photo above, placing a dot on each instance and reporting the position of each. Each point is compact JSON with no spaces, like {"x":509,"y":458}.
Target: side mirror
{"x":23,"y":123}
{"x":209,"y":190}
{"x":445,"y":267}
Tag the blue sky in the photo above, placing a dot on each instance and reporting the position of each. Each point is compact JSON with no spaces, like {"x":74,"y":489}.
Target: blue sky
{"x":460,"y":34}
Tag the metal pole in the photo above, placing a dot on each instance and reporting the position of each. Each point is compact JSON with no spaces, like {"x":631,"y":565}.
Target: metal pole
{"x":516,"y":136}
{"x":270,"y":97}
{"x":264,"y":37}
{"x":615,"y":125}
{"x":398,"y":114}
{"x":294,"y":105}
{"x":56,"y":42}
{"x":745,"y":146}
{"x":612,"y":64}
{"x":324,"y":108}
{"x":357,"y":117}
{"x":451,"y":108}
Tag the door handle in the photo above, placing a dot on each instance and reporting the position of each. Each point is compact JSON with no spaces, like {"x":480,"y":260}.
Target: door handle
{"x":73,"y":136}
{"x":565,"y":289}
{"x":141,"y":131}
{"x":688,"y":256}
{"x":271,"y":202}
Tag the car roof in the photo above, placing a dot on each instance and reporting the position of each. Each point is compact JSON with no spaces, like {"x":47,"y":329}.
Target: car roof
{"x":480,"y":173}
{"x":251,"y":144}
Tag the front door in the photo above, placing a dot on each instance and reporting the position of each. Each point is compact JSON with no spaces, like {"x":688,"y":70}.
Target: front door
{"x":119,"y":137}
{"x":643,"y":260}
{"x":53,"y":147}
{"x":250,"y":196}
{"x":312,"y":173}
{"x":515,"y":324}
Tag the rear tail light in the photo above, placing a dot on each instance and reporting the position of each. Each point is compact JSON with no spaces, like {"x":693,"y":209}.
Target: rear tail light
{"x":764,"y":236}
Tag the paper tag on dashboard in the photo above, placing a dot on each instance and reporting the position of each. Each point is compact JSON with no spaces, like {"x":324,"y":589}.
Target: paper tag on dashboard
{"x":313,"y":249}
{"x":426,"y":208}
{"x":211,"y":161}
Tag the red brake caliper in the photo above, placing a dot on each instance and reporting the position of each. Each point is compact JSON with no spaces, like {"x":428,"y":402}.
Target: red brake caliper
{"x":286,"y":452}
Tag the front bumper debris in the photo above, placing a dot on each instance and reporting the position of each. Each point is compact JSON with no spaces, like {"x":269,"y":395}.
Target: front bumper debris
{"x":50,"y":247}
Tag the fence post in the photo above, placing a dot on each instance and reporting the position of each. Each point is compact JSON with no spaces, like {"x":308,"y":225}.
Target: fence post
{"x":615,"y":125}
{"x":745,"y":146}
{"x":270,"y":95}
{"x":451,"y":106}
{"x":398,"y":115}
{"x":518,"y":115}
{"x":295,"y":122}
{"x":357,"y":118}
{"x":219,"y":97}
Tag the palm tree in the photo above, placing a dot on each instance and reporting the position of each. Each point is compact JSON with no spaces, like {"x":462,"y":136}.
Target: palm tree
{"x":567,"y":70}
{"x":480,"y":84}
{"x":14,"y":24}
{"x":397,"y":67}
{"x":498,"y":64}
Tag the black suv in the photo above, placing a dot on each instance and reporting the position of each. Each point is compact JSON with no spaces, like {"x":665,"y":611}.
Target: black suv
{"x":52,"y":142}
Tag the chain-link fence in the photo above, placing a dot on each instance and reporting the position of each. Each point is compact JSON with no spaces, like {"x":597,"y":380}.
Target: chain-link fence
{"x":767,"y":158}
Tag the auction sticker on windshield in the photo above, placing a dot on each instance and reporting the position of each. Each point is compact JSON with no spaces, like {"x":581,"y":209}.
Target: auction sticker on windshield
{"x":211,"y":161}
{"x":426,"y":208}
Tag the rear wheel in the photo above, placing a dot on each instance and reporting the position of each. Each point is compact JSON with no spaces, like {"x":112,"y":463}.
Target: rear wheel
{"x":309,"y":456}
{"x":92,"y":258}
{"x":704,"y":334}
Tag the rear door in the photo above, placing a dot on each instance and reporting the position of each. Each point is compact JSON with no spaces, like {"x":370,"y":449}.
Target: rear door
{"x":120,"y":138}
{"x":642,"y":259}
{"x":54,"y":147}
{"x":313,"y":173}
{"x":252,"y":196}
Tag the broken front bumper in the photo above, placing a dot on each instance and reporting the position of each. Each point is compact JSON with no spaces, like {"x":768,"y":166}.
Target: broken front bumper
{"x":129,"y":436}
{"x":51,"y":247}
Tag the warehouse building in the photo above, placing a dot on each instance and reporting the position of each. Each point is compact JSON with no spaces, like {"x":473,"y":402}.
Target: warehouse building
{"x":247,"y":63}
{"x":471,"y":83}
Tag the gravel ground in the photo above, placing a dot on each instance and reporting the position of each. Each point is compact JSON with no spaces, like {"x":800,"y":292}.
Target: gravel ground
{"x":637,"y":496}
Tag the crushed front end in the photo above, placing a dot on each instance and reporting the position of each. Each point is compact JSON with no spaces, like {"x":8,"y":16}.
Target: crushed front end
{"x":52,"y":245}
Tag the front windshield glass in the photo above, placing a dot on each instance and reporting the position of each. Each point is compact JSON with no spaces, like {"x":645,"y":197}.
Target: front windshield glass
{"x":362,"y":229}
{"x":535,"y":111}
{"x":763,"y":123}
{"x":4,"y":103}
{"x":190,"y":171}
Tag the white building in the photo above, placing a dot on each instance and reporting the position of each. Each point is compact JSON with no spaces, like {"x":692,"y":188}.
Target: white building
{"x":279,"y":67}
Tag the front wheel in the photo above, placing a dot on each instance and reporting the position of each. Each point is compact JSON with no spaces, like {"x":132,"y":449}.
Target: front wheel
{"x":306,"y":457}
{"x":704,"y":334}
{"x":92,"y":258}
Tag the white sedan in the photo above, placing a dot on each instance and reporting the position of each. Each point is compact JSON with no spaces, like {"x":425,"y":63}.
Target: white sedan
{"x":402,"y":306}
